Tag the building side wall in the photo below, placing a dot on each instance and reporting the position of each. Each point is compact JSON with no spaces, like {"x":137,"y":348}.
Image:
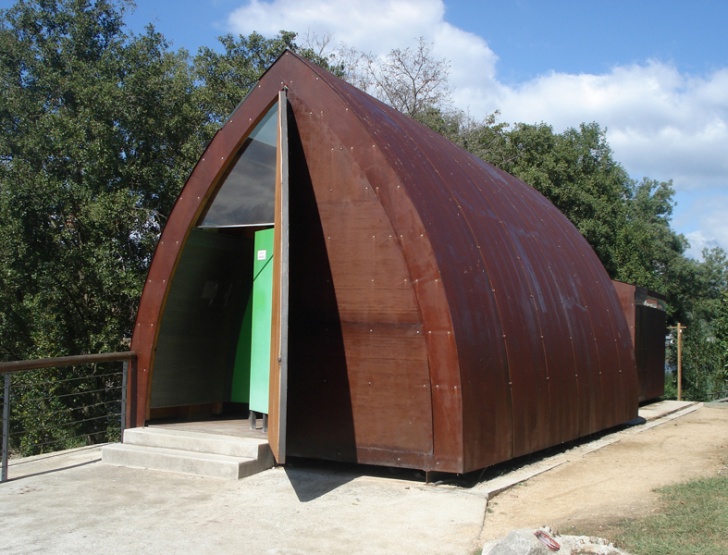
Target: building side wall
{"x":544,"y":354}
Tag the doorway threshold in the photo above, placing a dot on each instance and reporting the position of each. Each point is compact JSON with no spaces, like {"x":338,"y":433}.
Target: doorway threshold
{"x":236,"y":427}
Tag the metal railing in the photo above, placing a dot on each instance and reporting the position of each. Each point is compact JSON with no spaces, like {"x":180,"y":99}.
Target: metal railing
{"x":718,"y":395}
{"x":8,"y":369}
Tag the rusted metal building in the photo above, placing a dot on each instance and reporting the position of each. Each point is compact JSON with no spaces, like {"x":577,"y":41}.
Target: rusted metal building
{"x":646,"y":315}
{"x":420,"y":309}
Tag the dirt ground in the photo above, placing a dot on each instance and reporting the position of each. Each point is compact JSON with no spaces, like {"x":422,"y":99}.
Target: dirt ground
{"x":592,"y":493}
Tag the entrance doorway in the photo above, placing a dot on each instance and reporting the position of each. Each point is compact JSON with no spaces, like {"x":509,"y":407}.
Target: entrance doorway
{"x":213,"y":349}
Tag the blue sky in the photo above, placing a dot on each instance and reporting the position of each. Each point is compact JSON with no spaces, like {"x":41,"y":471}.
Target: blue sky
{"x":654,"y":73}
{"x":534,"y":37}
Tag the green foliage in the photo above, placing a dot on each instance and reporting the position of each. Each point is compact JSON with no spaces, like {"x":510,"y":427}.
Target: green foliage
{"x":97,"y":134}
{"x":721,"y":332}
{"x":224,"y":79}
{"x":648,"y":252}
{"x":704,"y":310}
{"x":446,"y":124}
{"x":61,"y":408}
{"x":40,"y":421}
{"x":487,"y":140}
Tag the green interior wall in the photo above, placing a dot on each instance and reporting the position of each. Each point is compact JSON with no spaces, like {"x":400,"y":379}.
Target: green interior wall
{"x":200,"y":328}
{"x":240,"y":391}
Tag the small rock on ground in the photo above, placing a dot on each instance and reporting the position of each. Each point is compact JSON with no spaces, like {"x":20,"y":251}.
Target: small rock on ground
{"x":525,"y":542}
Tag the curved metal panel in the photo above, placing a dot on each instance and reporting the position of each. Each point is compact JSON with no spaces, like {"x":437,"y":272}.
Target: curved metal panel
{"x":385,"y":350}
{"x":540,"y":341}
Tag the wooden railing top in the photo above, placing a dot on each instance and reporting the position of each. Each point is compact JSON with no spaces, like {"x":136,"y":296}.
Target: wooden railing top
{"x":20,"y":365}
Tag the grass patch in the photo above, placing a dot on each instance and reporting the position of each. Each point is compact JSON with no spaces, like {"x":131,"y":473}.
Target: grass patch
{"x":693,"y":521}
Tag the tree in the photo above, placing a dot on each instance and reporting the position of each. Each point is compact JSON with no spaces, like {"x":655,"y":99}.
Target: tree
{"x":488,"y":140}
{"x":648,"y":252}
{"x":721,"y":332}
{"x":224,"y":79}
{"x":410,"y":80}
{"x":97,"y":134}
{"x":699,"y":301}
{"x":574,"y":169}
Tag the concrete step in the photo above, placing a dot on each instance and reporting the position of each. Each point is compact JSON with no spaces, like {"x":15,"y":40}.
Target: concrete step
{"x":186,"y":452}
{"x":198,"y":442}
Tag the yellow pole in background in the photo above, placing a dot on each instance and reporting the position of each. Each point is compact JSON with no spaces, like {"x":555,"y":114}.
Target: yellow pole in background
{"x":679,"y":361}
{"x":679,"y":329}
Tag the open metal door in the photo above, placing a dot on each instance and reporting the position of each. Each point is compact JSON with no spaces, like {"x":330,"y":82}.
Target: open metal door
{"x":279,"y":328}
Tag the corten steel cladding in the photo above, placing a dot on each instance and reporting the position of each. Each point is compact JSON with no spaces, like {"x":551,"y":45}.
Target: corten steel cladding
{"x":645,"y":312}
{"x":443,"y":314}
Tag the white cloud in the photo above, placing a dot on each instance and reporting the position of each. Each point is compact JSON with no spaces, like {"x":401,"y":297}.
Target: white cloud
{"x":703,"y":218}
{"x":379,"y":26}
{"x":661,"y":123}
{"x":372,"y":25}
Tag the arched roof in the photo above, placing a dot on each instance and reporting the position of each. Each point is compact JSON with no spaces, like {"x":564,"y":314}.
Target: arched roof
{"x":520,"y":332}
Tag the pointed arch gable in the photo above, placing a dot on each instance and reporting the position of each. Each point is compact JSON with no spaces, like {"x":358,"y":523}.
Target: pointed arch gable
{"x":194,"y":198}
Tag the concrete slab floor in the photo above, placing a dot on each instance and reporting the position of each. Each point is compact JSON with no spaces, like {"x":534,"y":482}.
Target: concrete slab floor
{"x":86,"y":506}
{"x":70,"y":502}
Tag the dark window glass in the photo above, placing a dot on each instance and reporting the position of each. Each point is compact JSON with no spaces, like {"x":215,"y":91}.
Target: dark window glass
{"x":247,"y":196}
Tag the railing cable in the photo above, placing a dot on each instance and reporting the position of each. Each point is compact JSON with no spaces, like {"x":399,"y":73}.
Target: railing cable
{"x":128,"y":358}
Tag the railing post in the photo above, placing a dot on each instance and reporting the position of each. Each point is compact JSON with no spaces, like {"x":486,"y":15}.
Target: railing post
{"x":124,"y":382}
{"x":6,"y":427}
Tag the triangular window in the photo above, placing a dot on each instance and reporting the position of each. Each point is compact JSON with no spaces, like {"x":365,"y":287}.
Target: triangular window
{"x":247,"y":194}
